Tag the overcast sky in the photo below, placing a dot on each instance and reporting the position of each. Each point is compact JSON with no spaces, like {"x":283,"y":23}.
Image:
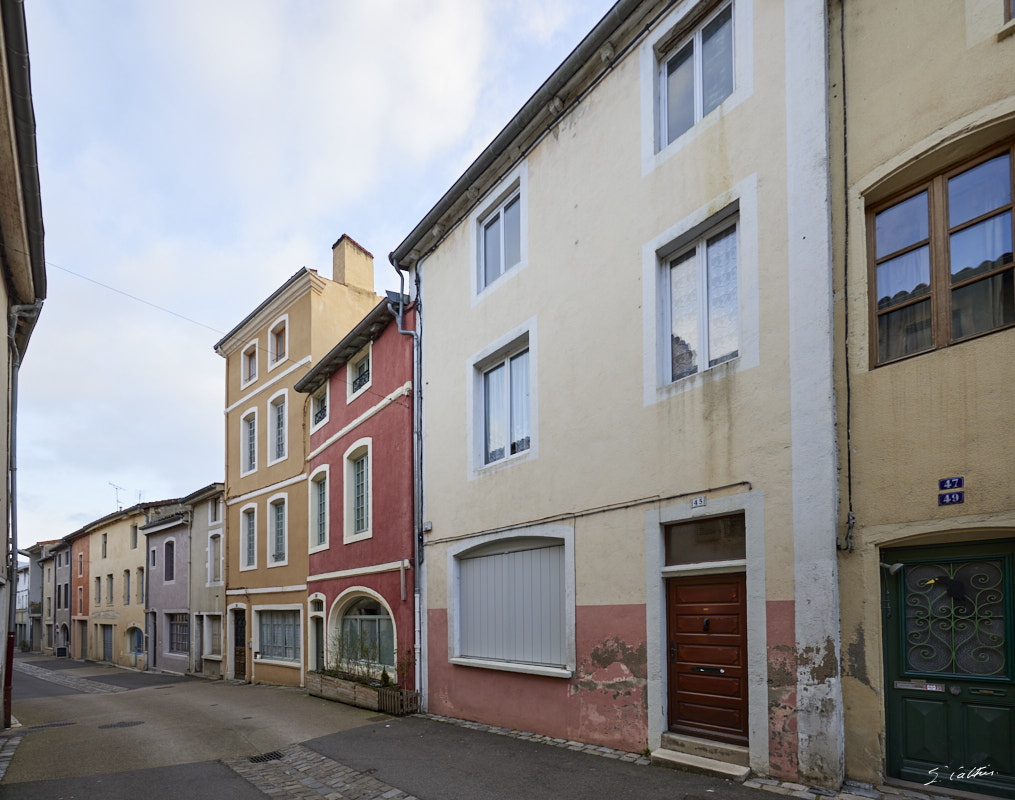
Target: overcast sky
{"x":195,"y":154}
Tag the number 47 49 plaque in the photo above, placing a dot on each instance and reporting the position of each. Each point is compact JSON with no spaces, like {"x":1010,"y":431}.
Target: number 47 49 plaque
{"x":947,"y":488}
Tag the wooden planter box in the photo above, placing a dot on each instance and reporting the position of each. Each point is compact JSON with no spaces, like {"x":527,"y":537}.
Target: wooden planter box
{"x":388,"y":699}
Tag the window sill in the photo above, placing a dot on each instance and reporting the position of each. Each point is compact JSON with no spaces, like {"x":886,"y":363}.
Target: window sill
{"x":358,"y":537}
{"x":275,"y":662}
{"x":274,"y":564}
{"x":706,"y":568}
{"x":509,"y":666}
{"x":211,"y":658}
{"x":1006,"y":31}
{"x":319,"y":548}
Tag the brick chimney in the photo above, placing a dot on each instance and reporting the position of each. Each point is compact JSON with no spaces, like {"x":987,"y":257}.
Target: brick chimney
{"x":353,"y":265}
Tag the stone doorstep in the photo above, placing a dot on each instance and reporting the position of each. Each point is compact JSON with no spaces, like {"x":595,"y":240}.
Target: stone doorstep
{"x":700,"y":765}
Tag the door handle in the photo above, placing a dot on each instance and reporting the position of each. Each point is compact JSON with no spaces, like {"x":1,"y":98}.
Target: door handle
{"x":711,"y":670}
{"x":673,"y":652}
{"x":704,"y":625}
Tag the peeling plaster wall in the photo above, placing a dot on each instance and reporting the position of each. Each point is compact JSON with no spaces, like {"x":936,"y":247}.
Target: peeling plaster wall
{"x":603,"y":703}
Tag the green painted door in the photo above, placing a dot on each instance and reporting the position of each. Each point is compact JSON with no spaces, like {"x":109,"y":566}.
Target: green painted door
{"x":950,"y":666}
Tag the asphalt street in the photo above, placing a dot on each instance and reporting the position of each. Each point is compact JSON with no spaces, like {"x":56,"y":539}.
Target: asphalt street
{"x":95,"y":731}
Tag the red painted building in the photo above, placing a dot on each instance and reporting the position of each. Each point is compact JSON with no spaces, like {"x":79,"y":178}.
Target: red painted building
{"x":362,"y":578}
{"x":80,"y":578}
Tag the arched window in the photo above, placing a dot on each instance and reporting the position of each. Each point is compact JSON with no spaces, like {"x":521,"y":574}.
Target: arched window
{"x":366,"y":636}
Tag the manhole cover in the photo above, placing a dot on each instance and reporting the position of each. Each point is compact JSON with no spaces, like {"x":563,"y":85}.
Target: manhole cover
{"x":274,"y":755}
{"x":132,"y":724}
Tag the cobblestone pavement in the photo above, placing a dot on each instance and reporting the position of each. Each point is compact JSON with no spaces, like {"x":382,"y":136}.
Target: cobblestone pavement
{"x":301,"y":774}
{"x":70,"y":681}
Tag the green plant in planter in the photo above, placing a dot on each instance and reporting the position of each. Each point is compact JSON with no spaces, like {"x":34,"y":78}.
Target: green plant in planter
{"x":356,"y":657}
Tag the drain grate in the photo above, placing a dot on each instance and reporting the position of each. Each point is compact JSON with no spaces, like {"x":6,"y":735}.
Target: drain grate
{"x":132,"y":724}
{"x":274,"y":755}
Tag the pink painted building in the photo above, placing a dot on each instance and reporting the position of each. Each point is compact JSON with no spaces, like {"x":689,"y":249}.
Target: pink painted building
{"x":362,"y":578}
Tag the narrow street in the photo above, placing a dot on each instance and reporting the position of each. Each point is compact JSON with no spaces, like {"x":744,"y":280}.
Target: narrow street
{"x":95,"y":731}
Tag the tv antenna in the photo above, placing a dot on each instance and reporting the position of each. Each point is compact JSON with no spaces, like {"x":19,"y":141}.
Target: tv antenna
{"x":118,"y":489}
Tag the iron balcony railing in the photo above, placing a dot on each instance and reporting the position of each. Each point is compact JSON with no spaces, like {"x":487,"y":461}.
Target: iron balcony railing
{"x":361,"y":381}
{"x":322,"y":412}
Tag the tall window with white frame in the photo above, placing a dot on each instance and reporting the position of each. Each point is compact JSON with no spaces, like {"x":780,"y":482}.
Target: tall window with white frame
{"x":279,"y":428}
{"x":500,"y":245}
{"x":697,"y":75}
{"x":214,"y":558}
{"x":506,"y":408}
{"x":320,"y":491}
{"x":361,"y":373}
{"x":169,"y":568}
{"x":179,"y":633}
{"x":361,"y":494}
{"x":250,"y":442}
{"x":278,"y":528}
{"x":249,"y":538}
{"x":704,"y":315}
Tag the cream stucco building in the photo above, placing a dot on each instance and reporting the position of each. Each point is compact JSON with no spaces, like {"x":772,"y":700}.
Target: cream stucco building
{"x":923,"y":121}
{"x":629,"y":456}
{"x":266,"y":492}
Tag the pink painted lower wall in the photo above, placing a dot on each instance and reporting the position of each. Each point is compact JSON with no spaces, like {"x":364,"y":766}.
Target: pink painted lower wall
{"x":783,"y":742}
{"x":603,"y":703}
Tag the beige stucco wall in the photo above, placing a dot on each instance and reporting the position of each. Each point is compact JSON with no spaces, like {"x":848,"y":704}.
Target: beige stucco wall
{"x":319,"y":313}
{"x":923,"y":91}
{"x":122,"y":616}
{"x":605,"y":431}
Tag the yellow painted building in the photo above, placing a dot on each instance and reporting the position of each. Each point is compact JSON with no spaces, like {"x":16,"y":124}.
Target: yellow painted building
{"x":118,"y":567}
{"x":923,"y":135}
{"x":267,"y":435}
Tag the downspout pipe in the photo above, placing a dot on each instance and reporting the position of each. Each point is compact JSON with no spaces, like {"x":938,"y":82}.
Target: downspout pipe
{"x":417,"y":465}
{"x":30,"y":314}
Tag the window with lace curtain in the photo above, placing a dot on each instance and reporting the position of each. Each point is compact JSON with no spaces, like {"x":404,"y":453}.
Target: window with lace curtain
{"x":941,"y":260}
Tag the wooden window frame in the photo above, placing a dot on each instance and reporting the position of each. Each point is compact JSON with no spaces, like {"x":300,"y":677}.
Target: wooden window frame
{"x":939,"y":232}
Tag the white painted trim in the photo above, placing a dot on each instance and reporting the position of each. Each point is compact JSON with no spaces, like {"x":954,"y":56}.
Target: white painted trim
{"x":522,"y":337}
{"x":312,"y":546}
{"x":215,"y":502}
{"x":270,"y":438}
{"x":267,"y":385}
{"x":209,"y":575}
{"x":373,"y":569}
{"x":244,"y":382}
{"x":517,"y":181}
{"x":275,"y":360}
{"x":268,"y":590}
{"x":243,"y":566}
{"x":316,"y":426}
{"x":165,"y":561}
{"x":267,"y":489}
{"x":244,"y":444}
{"x":652,"y":155}
{"x":366,"y":351}
{"x":401,"y":391}
{"x":512,"y":666}
{"x":752,"y":505}
{"x":353,"y":453}
{"x":344,"y":599}
{"x":164,"y":527}
{"x":706,"y":568}
{"x":809,"y":267}
{"x":282,"y":498}
{"x":255,"y":638}
{"x":558,"y":532}
{"x":656,"y":371}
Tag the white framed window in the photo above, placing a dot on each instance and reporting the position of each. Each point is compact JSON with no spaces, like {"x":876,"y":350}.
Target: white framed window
{"x":364,"y":632}
{"x":248,"y":537}
{"x":213,"y":635}
{"x":81,"y":564}
{"x":279,"y":526}
{"x":214,"y":511}
{"x":499,"y":232}
{"x":358,"y":491}
{"x":503,"y":402}
{"x":248,"y":442}
{"x":278,"y":632}
{"x":695,"y":67}
{"x":511,"y":602}
{"x":109,"y":589}
{"x":248,"y":365}
{"x":700,"y":296}
{"x":703,"y":311}
{"x":319,"y":402}
{"x":319,"y":511}
{"x":140,"y":585}
{"x":126,"y":587}
{"x":696,"y":75}
{"x":278,"y":342}
{"x":359,"y":374}
{"x":215,"y":557}
{"x":278,"y":428}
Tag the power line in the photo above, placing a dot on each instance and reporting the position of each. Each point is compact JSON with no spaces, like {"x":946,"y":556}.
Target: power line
{"x":133,"y":297}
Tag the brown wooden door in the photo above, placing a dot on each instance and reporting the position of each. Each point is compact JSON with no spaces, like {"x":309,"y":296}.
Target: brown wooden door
{"x":240,"y":644}
{"x":707,"y":652}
